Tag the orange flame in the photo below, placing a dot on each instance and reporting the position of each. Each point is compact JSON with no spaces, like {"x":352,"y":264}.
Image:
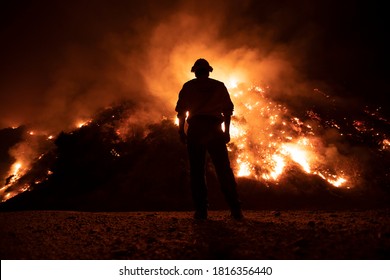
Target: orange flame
{"x":268,"y":141}
{"x":270,"y":145}
{"x":80,"y":124}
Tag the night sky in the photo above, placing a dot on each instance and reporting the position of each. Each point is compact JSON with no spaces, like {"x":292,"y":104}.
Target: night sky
{"x":62,"y":60}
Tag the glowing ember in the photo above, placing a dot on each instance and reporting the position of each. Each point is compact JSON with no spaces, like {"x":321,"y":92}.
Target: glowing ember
{"x":337,"y":182}
{"x":386,"y":144}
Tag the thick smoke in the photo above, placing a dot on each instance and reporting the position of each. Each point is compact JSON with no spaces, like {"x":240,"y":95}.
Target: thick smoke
{"x":62,"y":61}
{"x":66,"y":60}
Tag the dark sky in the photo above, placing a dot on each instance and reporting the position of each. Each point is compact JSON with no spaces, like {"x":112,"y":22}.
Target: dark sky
{"x":340,"y":41}
{"x":61,"y":60}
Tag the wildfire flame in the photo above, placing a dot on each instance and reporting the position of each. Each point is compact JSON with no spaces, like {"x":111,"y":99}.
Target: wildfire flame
{"x":267,"y":149}
{"x":80,"y":124}
{"x":14,"y":175}
{"x":267,"y":140}
{"x":25,"y":153}
{"x":16,"y":168}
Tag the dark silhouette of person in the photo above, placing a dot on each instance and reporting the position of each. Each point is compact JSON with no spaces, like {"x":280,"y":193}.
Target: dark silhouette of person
{"x":205,"y":104}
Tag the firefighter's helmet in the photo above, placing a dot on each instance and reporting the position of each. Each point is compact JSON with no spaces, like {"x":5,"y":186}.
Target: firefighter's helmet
{"x":201,"y":63}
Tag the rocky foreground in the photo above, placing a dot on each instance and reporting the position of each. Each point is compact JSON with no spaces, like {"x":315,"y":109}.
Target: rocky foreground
{"x":175,"y":235}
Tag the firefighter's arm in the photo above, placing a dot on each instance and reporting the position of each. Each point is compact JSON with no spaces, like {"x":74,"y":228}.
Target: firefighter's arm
{"x":181,"y":109}
{"x":182,"y":134}
{"x":227,"y":119}
{"x":227,"y":112}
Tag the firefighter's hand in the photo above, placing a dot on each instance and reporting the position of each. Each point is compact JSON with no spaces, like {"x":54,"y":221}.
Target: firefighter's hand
{"x":226,"y":137}
{"x":183,"y":137}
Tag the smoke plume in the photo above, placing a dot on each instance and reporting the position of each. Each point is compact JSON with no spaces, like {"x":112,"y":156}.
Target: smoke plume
{"x":63,"y":61}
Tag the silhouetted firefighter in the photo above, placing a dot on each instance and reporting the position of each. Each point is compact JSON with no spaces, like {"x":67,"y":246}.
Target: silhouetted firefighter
{"x":208,"y":105}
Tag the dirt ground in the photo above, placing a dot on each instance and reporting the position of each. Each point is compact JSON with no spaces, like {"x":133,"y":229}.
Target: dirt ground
{"x":175,"y":235}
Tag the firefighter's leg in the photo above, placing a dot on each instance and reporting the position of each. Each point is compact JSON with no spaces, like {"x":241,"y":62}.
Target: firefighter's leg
{"x":197,"y":157}
{"x":219,"y":155}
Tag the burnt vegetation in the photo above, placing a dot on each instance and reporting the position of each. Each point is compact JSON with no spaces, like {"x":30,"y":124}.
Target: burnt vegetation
{"x":98,"y":167}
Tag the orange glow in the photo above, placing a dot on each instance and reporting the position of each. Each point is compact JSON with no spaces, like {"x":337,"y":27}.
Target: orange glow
{"x":386,"y":144}
{"x":278,"y":168}
{"x":268,"y":141}
{"x":80,"y":124}
{"x":268,"y":148}
{"x":16,"y":167}
{"x":297,"y":154}
{"x":16,"y":172}
{"x":232,"y":83}
{"x":244,"y":169}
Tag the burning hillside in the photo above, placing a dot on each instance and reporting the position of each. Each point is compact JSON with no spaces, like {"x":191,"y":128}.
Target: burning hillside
{"x":298,"y":81}
{"x":116,"y":161}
